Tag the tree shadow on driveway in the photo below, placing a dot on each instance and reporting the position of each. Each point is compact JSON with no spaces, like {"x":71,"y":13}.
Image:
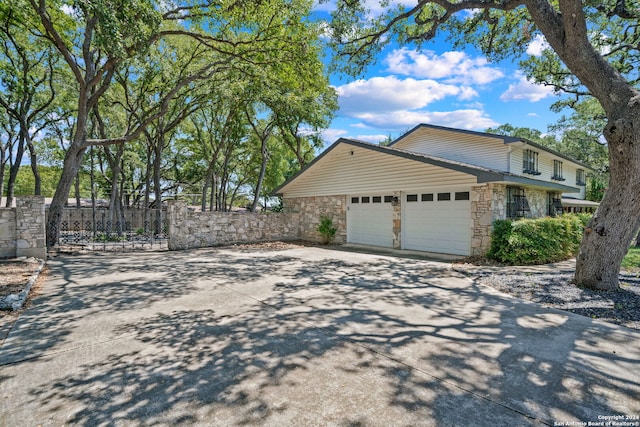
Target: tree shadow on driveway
{"x":337,"y":339}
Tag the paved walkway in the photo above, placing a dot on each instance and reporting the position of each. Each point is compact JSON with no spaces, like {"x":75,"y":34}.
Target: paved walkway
{"x":304,"y":336}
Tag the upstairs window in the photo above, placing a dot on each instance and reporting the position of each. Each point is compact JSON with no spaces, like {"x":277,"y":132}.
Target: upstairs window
{"x":580,"y":178}
{"x":517,"y":203}
{"x":557,"y":170}
{"x":530,"y":162}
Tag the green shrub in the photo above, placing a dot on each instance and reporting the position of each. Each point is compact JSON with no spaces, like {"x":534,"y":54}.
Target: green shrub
{"x":326,"y":229}
{"x":537,"y":241}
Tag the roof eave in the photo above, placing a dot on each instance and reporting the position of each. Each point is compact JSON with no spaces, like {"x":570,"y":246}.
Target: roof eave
{"x":515,"y":179}
{"x":505,"y":138}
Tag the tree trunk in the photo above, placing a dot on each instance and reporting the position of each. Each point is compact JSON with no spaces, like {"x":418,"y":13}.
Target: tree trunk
{"x":205,"y":188}
{"x":147,"y":194}
{"x":157,"y":185}
{"x":263,"y":169}
{"x":72,"y":162}
{"x":37,"y":187}
{"x":13,"y":172}
{"x":610,"y":232}
{"x":76,"y":187}
{"x":93,"y":196}
{"x":212,"y":194}
{"x":3,"y":164}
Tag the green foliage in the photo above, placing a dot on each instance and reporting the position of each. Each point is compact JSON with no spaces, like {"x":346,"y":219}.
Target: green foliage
{"x":596,"y":188}
{"x":326,"y":229}
{"x":580,"y":141}
{"x":50,"y":176}
{"x":537,"y":241}
{"x":632,"y":260}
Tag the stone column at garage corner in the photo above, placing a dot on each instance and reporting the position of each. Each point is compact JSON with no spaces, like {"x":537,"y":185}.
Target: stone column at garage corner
{"x":30,"y":227}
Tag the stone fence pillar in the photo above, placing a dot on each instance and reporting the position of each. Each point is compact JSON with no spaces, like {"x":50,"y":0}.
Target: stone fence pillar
{"x":30,"y":227}
{"x":177,"y":216}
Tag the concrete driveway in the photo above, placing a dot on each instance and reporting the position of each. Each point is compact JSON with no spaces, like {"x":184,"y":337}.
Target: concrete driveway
{"x":302,"y":336}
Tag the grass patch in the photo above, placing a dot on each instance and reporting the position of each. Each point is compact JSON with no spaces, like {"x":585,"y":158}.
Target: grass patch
{"x":632,"y":259}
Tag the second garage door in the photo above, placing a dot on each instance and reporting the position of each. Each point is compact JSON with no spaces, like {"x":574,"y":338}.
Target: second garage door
{"x":369,"y":220}
{"x":437,"y":221}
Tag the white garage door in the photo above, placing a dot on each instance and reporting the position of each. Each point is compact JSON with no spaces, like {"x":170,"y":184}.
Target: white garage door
{"x":437,"y":221}
{"x":369,"y":220}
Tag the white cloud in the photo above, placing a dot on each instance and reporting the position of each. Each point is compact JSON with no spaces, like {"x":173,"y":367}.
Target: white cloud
{"x":331,"y":135}
{"x":371,"y":138}
{"x":67,"y":10}
{"x":525,"y":90}
{"x":392,"y":94}
{"x":452,"y":66}
{"x":537,"y":45}
{"x":373,"y":6}
{"x":399,"y":120}
{"x":393,"y":104}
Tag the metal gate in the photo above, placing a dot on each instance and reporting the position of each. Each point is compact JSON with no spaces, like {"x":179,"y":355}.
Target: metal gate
{"x":101,"y":229}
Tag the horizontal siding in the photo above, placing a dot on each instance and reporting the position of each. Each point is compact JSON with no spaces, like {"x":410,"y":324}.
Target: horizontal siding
{"x":366,"y":171}
{"x":545,"y":167}
{"x":467,"y":148}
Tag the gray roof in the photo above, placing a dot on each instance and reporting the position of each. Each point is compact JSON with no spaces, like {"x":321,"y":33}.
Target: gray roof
{"x":506,"y":139}
{"x":481,"y":173}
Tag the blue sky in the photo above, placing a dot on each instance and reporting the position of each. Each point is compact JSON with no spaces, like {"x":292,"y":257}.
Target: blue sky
{"x":436,"y":85}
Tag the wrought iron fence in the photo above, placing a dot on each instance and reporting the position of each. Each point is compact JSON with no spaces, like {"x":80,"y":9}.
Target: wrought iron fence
{"x":101,"y":229}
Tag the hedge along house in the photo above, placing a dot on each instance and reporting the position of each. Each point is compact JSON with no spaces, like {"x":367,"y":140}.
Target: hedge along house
{"x":434,"y":189}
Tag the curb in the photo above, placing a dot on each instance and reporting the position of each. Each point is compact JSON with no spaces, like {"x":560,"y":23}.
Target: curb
{"x":16,"y":301}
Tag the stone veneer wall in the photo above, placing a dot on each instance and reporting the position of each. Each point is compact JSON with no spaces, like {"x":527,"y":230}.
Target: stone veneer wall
{"x":489,"y":203}
{"x":22,"y":229}
{"x":311,"y":209}
{"x":397,"y":220}
{"x":538,"y":200}
{"x":482,"y":217}
{"x":190,"y":229}
{"x":7,"y":232}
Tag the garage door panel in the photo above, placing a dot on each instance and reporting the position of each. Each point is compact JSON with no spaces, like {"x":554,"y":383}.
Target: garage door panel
{"x":437,"y":225}
{"x":369,"y":223}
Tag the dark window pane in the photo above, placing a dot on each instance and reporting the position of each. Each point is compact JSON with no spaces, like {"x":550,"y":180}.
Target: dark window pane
{"x":412,"y":197}
{"x":354,"y":200}
{"x":388,"y":199}
{"x":427,"y":197}
{"x":462,"y":195}
{"x":444,"y":196}
{"x":365,"y":199}
{"x":377,"y":199}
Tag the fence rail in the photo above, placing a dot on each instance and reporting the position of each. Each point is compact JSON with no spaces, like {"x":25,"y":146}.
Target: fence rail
{"x":99,"y":229}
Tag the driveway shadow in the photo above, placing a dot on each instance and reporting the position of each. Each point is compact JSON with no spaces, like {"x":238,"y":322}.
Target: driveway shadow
{"x":341,"y":339}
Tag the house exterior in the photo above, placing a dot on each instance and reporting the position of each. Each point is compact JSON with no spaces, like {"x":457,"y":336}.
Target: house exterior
{"x":434,"y":189}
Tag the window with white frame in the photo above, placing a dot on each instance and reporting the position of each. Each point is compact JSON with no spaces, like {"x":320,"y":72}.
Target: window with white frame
{"x":557,"y":170}
{"x":580,"y":177}
{"x":530,"y":162}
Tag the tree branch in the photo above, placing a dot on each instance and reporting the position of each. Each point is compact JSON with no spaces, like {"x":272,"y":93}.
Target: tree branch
{"x":57,"y":40}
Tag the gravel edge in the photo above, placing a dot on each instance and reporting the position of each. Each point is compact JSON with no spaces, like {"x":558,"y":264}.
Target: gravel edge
{"x":15,"y":302}
{"x":550,"y":286}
